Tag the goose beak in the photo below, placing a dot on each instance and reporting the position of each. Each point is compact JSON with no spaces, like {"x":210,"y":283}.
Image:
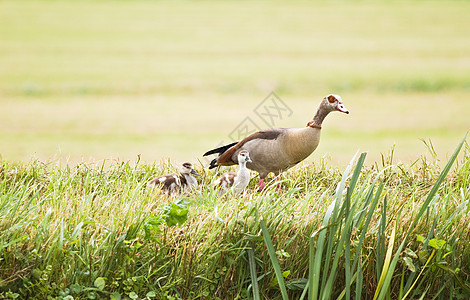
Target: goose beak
{"x":194,"y":172}
{"x":248,"y":160}
{"x":342,"y":109}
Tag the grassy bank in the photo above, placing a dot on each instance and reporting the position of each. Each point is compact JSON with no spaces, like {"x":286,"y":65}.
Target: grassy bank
{"x":91,"y":231}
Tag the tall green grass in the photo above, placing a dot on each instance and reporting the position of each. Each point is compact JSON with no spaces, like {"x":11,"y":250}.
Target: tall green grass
{"x":382,"y":231}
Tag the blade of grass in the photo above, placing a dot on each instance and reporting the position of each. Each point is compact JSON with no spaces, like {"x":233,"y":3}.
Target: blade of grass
{"x":335,"y":221}
{"x":344,"y":243}
{"x":386,"y":264}
{"x":381,"y":240}
{"x":370,"y":213}
{"x":254,"y":278}
{"x":347,"y":266}
{"x":402,"y":282}
{"x":356,"y":173}
{"x":274,"y":261}
{"x":315,"y":257}
{"x":359,"y":280}
{"x":338,"y":253}
{"x":314,"y":262}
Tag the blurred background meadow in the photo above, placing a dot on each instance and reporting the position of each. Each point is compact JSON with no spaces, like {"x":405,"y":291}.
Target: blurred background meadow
{"x":117,"y":80}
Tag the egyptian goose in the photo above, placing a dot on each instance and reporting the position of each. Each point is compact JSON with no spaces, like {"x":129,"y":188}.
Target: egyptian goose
{"x":278,"y":149}
{"x":174,"y":183}
{"x":236,"y":182}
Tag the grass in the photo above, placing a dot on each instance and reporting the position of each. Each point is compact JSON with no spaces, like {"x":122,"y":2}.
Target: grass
{"x":96,"y":231}
{"x":84,"y":81}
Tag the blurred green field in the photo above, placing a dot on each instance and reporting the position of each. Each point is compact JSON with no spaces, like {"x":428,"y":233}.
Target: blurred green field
{"x":94,"y":80}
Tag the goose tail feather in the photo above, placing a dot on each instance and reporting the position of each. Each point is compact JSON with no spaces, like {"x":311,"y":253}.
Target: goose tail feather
{"x":213,"y":164}
{"x":219,"y":150}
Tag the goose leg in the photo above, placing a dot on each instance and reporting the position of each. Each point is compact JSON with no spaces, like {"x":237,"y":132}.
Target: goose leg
{"x":261,"y":185}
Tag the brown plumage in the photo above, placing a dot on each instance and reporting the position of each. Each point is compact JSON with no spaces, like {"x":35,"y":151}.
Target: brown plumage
{"x":278,"y":149}
{"x":176,"y":183}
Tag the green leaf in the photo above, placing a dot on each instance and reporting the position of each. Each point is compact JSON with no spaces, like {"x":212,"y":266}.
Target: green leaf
{"x":437,"y":244}
{"x":115,"y":296}
{"x":100,"y":283}
{"x":151,"y":294}
{"x":282,"y":253}
{"x":297,"y":284}
{"x":36,"y":273}
{"x":420,"y":238}
{"x":12,"y":295}
{"x":409,"y":263}
{"x":285,"y":273}
{"x":75,"y":288}
{"x":151,"y":227}
{"x":176,"y":213}
{"x":410,"y":253}
{"x":133,"y":295}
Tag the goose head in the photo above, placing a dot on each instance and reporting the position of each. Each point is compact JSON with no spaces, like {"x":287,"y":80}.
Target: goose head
{"x":244,"y":157}
{"x":187,"y":168}
{"x":335,"y":103}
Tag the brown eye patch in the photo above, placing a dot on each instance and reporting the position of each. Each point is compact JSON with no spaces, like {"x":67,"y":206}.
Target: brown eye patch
{"x":332,"y":98}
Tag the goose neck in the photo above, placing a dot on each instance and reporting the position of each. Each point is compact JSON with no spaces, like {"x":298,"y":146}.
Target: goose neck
{"x":320,"y":115}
